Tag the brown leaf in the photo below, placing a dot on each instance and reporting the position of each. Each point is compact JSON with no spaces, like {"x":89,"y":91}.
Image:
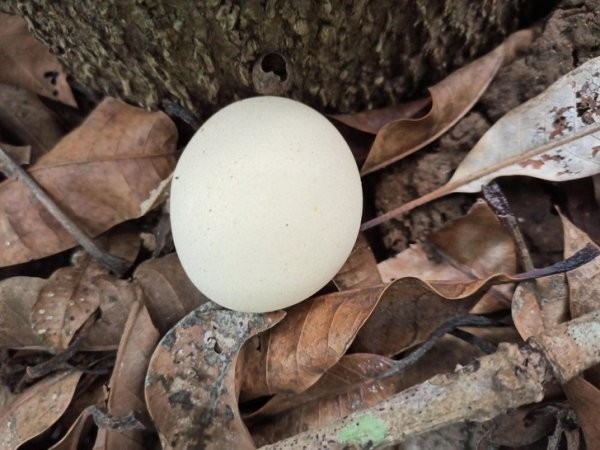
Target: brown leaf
{"x":584,"y":282}
{"x":374,"y":120}
{"x":349,"y":386}
{"x":27,"y":62}
{"x":410,"y":309}
{"x":471,"y":247}
{"x":312,"y":338}
{"x":36,"y":409}
{"x":29,"y":120}
{"x":360,"y":269}
{"x":585,"y":399}
{"x":451,"y":99}
{"x":170,"y":294}
{"x":71,"y":440}
{"x":17,"y":296}
{"x":73,"y":294}
{"x":126,"y":387}
{"x":190,"y":386}
{"x":100,"y":174}
{"x":523,"y":426}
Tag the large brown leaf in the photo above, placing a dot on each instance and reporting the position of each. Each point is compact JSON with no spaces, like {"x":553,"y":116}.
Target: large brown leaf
{"x":451,"y":99}
{"x":101,"y":174}
{"x":26,"y":62}
{"x":471,"y":247}
{"x":313,"y":337}
{"x":17,"y":296}
{"x":585,"y":399}
{"x":170,"y":294}
{"x":36,"y":409}
{"x":191,"y":388}
{"x":126,"y":387}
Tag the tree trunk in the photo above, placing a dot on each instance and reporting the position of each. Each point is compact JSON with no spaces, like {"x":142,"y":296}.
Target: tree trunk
{"x":338,"y":56}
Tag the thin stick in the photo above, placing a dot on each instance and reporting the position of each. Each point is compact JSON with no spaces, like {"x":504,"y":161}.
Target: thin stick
{"x":454,"y":186}
{"x":13,"y":170}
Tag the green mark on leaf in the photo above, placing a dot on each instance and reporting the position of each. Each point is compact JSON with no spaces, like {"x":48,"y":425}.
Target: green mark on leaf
{"x":366,"y":430}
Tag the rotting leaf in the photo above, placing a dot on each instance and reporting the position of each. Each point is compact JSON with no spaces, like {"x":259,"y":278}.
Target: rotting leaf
{"x":471,"y":247}
{"x":29,"y":120}
{"x":553,"y":136}
{"x":26,"y":62}
{"x":73,"y":294}
{"x":126,"y":387}
{"x":17,"y":296}
{"x":360,"y":269}
{"x":36,"y":409}
{"x":451,"y":99}
{"x":170,"y":294}
{"x":190,"y":386}
{"x":100,"y":174}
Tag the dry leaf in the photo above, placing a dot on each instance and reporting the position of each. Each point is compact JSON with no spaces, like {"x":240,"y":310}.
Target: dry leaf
{"x":451,"y":99}
{"x":100,"y":174}
{"x":471,"y":247}
{"x":349,"y":386}
{"x":126,"y":387}
{"x":190,"y":386}
{"x":17,"y":296}
{"x":29,"y":120}
{"x":523,"y":426}
{"x":170,"y":294}
{"x":312,"y":338}
{"x":26,"y":62}
{"x":360,"y":269}
{"x":73,"y":294}
{"x":553,"y":136}
{"x":410,"y":309}
{"x":71,"y":440}
{"x":584,"y":397}
{"x":36,"y":409}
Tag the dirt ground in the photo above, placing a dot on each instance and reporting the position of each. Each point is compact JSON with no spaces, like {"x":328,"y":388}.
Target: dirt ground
{"x":569,"y":36}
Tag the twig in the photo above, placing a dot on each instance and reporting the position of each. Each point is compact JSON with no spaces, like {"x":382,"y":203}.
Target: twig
{"x":13,"y":170}
{"x":495,"y":198}
{"x":489,"y":386}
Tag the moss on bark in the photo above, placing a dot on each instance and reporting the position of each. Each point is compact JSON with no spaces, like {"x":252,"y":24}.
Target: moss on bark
{"x":337,"y":55}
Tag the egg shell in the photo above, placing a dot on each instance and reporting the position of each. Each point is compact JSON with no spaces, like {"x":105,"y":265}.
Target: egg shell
{"x":266,"y":203}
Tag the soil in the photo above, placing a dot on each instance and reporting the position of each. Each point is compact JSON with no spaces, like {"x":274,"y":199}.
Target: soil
{"x":569,"y":36}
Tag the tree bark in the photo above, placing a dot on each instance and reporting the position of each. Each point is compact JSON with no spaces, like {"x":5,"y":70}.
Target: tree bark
{"x":338,"y":56}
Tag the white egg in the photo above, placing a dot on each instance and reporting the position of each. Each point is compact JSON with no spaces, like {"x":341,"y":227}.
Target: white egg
{"x":266,"y":202}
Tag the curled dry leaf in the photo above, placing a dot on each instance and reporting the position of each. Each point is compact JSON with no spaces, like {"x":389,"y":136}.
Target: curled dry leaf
{"x":354,"y":383}
{"x":190,"y":386}
{"x":170,"y":294}
{"x":101,"y":174}
{"x":73,"y":294}
{"x":553,"y":136}
{"x":585,"y":399}
{"x":36,"y":409}
{"x":17,"y":296}
{"x":26,"y":62}
{"x":360,"y":269}
{"x":312,"y":338}
{"x":29,"y":120}
{"x":451,"y":99}
{"x":126,"y":387}
{"x":410,"y":309}
{"x":471,"y":247}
